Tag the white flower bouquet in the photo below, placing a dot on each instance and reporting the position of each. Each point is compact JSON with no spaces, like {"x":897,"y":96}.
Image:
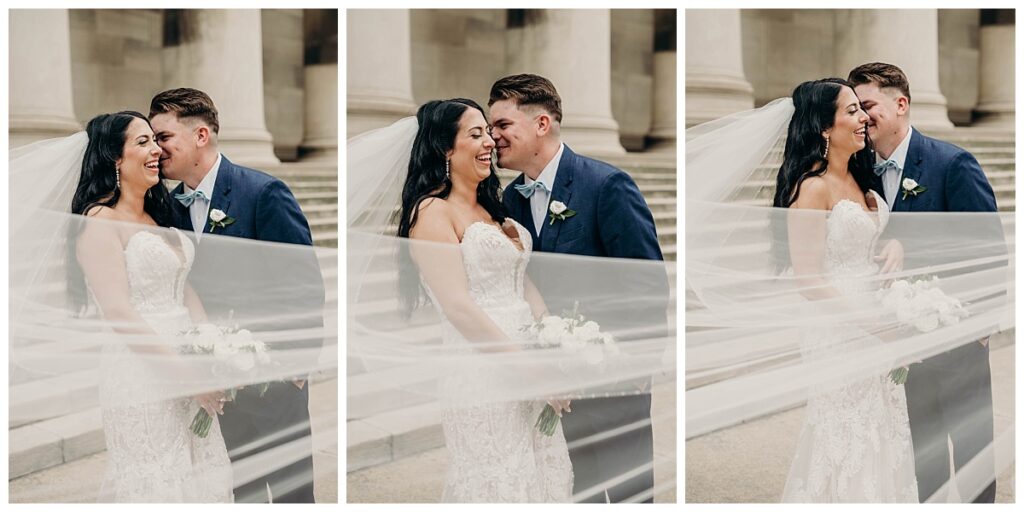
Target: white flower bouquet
{"x":236,"y":348}
{"x":922,"y":305}
{"x":575,"y":334}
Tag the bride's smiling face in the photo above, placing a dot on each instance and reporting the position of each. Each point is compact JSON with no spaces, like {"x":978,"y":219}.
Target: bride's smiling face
{"x":850,"y":126}
{"x":139,"y":164}
{"x":471,"y":157}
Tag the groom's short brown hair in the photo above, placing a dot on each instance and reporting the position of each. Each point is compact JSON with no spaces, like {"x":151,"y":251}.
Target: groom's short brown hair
{"x":881,"y":74}
{"x":185,"y":102}
{"x":527,"y":89}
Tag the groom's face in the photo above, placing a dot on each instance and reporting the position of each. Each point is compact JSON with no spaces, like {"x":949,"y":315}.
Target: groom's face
{"x":177,"y":140}
{"x":515,"y":134}
{"x":886,"y":112}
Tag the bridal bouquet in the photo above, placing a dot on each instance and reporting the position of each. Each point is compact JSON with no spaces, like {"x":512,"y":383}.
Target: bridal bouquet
{"x":236,"y":349}
{"x":576,"y":334}
{"x":920,"y":304}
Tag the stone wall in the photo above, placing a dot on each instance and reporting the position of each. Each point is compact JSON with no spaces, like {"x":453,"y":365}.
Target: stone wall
{"x":115,"y":59}
{"x":958,"y":62}
{"x":632,"y":74}
{"x":283,"y":77}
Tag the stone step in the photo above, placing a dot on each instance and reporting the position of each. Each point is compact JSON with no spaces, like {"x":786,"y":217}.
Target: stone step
{"x":661,"y":204}
{"x":312,"y":211}
{"x":667,"y":236}
{"x":317,"y":197}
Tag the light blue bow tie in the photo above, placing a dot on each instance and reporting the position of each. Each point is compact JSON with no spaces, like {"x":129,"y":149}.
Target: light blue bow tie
{"x":881,"y":168}
{"x":188,"y":199}
{"x":528,"y":190}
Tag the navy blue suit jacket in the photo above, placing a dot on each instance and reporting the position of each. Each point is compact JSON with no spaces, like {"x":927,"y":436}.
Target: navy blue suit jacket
{"x":612,"y":219}
{"x":953,"y":177}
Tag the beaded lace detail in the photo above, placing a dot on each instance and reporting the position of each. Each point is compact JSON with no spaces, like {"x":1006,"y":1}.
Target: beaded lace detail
{"x":496,"y":454}
{"x":855,"y":443}
{"x":152,"y":454}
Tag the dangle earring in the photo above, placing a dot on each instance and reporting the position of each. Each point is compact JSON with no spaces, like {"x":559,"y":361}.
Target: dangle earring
{"x":117,"y":177}
{"x":447,"y":170}
{"x":825,"y":156}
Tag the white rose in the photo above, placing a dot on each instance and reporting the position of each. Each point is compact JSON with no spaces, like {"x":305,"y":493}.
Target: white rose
{"x":909,"y":184}
{"x":589,"y":331}
{"x":217,"y":215}
{"x":558,"y":207}
{"x":927,"y":323}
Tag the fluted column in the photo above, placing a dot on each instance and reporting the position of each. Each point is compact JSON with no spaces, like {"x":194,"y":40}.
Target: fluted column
{"x":572,"y":48}
{"x":996,"y":78}
{"x":41,"y":105}
{"x":379,"y":74}
{"x":223,"y":57}
{"x":320,"y":139}
{"x":908,"y":38}
{"x":663,"y":122}
{"x":715,"y":82}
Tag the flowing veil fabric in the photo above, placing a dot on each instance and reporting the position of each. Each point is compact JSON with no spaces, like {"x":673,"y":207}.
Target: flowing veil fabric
{"x":60,"y":339}
{"x":402,"y":373}
{"x":747,"y":310}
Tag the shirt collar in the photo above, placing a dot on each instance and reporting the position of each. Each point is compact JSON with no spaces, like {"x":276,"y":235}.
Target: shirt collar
{"x":899,"y":155}
{"x":209,"y":180}
{"x":547,"y":176}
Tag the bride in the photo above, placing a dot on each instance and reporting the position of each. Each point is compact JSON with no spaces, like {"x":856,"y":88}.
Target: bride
{"x":451,"y":197}
{"x":138,"y":277}
{"x":824,"y":168}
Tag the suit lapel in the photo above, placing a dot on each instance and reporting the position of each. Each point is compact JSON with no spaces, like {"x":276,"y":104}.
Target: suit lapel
{"x":519,"y":208}
{"x":562,"y":191}
{"x":221,"y":199}
{"x":182,"y":218}
{"x":912,"y":169}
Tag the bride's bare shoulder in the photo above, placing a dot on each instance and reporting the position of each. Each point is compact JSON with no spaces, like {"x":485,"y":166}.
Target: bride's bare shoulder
{"x":813,"y":193}
{"x":434,"y":221}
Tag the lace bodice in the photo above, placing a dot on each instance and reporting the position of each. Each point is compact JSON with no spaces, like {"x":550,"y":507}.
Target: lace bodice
{"x":852,"y":234}
{"x":495,"y":266}
{"x":157,"y":272}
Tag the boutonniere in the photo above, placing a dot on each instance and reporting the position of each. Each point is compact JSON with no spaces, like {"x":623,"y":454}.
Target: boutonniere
{"x":911,"y":188}
{"x":219,"y":219}
{"x":559,"y":211}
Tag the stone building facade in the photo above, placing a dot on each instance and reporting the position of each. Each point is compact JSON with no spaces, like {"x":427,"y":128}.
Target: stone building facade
{"x":614,"y":69}
{"x":272,"y":73}
{"x":960,"y":62}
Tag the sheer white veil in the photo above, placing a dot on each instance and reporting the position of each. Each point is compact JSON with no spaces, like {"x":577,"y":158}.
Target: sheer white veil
{"x":399,"y":362}
{"x":60,"y":340}
{"x":746,"y":311}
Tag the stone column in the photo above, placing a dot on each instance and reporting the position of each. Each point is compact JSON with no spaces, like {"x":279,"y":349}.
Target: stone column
{"x":40,"y":80}
{"x":715,"y":83}
{"x":663,"y":124}
{"x":222,"y":55}
{"x":320,"y":141}
{"x":379,"y":74}
{"x":908,"y":38}
{"x":996,"y":77}
{"x":572,"y":48}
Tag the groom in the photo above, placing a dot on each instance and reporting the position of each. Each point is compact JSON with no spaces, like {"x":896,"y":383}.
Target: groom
{"x":609,"y":438}
{"x":949,"y":394}
{"x":260,"y":207}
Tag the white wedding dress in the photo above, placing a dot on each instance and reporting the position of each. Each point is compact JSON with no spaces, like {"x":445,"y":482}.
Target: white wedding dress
{"x":152,"y":455}
{"x":496,"y":453}
{"x":855,"y":444}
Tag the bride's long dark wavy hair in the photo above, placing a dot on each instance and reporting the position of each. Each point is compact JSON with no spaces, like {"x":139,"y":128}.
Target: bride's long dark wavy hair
{"x":97,"y":186}
{"x":815,"y":105}
{"x":438,"y":127}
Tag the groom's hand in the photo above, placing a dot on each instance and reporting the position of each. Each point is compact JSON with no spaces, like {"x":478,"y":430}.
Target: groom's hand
{"x":299,"y":383}
{"x":892,"y":257}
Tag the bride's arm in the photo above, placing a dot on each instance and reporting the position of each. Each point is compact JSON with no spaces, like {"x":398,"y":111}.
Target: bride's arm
{"x":440,"y":265}
{"x":807,"y":232}
{"x":196,"y":311}
{"x":533,"y":297}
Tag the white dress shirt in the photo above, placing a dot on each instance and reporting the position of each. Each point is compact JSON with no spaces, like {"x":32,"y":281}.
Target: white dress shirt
{"x":891,"y":178}
{"x":540,"y":198}
{"x":200,"y":208}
